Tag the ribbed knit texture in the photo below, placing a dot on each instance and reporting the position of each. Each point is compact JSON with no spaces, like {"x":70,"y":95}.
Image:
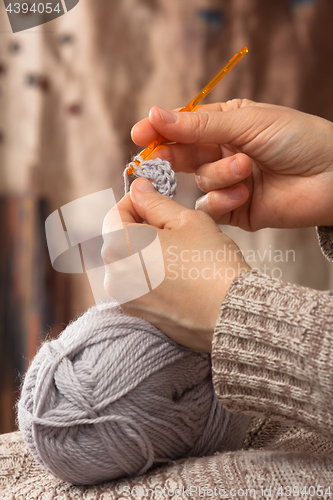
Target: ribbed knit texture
{"x":159,"y":171}
{"x":113,"y":395}
{"x":270,"y":351}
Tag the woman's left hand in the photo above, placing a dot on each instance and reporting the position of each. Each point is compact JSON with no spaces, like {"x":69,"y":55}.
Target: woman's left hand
{"x":200,"y":264}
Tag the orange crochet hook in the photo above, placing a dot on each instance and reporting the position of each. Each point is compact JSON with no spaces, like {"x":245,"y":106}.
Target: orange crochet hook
{"x":146,"y":153}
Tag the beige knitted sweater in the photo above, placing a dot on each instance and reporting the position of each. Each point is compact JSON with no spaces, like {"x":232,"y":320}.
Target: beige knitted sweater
{"x":272,"y":359}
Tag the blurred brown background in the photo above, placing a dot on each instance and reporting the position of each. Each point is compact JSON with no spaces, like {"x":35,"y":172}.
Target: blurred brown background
{"x":70,"y":92}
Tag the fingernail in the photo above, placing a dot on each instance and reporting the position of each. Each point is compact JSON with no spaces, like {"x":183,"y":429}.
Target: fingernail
{"x":198,"y":180}
{"x":234,"y":167}
{"x":143,"y":185}
{"x":235,"y":193}
{"x":201,"y":203}
{"x":168,"y":116}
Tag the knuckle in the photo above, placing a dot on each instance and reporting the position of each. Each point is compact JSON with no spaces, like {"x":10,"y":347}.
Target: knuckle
{"x":202,"y":217}
{"x":193,"y":218}
{"x":200,"y":124}
{"x":111,"y":220}
{"x":106,"y":253}
{"x":230,"y":104}
{"x":235,"y":104}
{"x":103,"y":253}
{"x":204,"y":124}
{"x":186,"y":217}
{"x":114,"y":247}
{"x":156,"y":204}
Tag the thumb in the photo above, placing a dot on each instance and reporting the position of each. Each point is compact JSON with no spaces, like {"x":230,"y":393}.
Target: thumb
{"x":158,"y":210}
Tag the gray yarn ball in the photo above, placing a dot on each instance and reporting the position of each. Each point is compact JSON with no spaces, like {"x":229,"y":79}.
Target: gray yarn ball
{"x":114,"y":396}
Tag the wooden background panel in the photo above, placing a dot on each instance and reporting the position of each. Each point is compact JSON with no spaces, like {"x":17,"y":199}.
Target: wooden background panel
{"x":28,"y":309}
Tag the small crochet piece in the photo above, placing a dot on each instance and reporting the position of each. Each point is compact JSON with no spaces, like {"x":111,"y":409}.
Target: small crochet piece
{"x":159,"y":171}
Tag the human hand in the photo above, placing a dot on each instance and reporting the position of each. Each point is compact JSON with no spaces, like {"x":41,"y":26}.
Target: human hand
{"x":200,"y":264}
{"x":261,"y":165}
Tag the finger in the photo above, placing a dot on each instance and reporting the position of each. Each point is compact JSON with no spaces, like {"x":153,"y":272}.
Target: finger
{"x":229,"y":105}
{"x":161,"y":211}
{"x":223,"y":201}
{"x":224,"y":106}
{"x":223,"y":173}
{"x":158,"y":210}
{"x":235,"y":126}
{"x":143,"y":133}
{"x":188,"y":157}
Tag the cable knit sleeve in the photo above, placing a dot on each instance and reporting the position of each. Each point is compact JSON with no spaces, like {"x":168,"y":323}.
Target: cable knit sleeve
{"x":272,"y":352}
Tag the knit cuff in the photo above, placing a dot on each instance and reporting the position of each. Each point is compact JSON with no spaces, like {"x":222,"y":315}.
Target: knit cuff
{"x":272,"y":353}
{"x":325,"y":236}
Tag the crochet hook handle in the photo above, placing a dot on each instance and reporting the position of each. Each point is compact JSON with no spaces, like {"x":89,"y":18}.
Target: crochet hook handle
{"x":146,"y":153}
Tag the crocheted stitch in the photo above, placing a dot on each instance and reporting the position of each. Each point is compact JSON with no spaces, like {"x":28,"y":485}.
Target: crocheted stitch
{"x":160,"y":171}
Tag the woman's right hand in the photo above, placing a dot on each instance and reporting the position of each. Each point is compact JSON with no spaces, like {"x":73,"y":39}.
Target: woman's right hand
{"x":261,"y":165}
